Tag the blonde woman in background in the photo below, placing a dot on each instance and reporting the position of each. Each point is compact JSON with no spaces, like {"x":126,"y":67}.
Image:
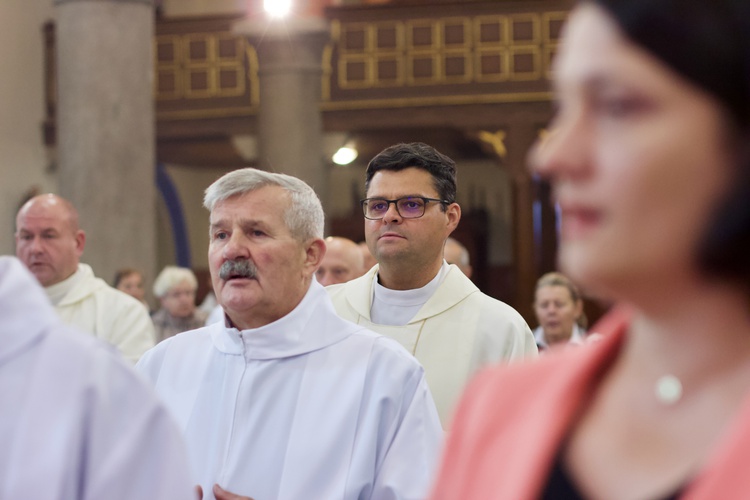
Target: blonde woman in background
{"x":559,"y":310}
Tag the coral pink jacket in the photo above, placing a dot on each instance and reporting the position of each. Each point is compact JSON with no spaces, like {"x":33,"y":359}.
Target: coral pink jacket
{"x":512,"y":420}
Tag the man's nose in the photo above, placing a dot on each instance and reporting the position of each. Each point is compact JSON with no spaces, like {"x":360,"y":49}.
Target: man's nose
{"x":392,"y":215}
{"x":36,"y":245}
{"x":236,"y":247}
{"x":324,"y":278}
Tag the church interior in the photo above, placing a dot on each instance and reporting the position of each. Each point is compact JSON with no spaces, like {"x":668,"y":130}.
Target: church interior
{"x":132,"y":108}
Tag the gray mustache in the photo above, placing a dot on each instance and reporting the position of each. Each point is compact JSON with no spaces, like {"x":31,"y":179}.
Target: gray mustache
{"x":241,"y":268}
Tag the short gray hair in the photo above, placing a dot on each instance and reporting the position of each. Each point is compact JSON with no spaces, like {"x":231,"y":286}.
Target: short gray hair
{"x":172,"y":276}
{"x":304,"y":217}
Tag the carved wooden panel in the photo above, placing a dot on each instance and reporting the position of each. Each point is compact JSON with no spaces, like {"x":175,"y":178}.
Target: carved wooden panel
{"x":203,"y":70}
{"x":490,"y":52}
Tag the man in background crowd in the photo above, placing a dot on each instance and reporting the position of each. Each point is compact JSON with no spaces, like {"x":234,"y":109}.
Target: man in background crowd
{"x":412,"y":295}
{"x":342,"y":262}
{"x":283,"y":399}
{"x":455,"y":253}
{"x":50,"y":243}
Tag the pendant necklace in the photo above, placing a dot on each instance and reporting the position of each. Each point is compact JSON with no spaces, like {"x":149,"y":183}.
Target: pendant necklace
{"x":668,"y":389}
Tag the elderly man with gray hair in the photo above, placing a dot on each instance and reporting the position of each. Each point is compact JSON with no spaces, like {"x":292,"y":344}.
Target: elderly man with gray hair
{"x":284,"y":399}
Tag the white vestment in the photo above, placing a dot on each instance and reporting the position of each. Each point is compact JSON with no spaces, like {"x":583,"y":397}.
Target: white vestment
{"x":307,"y":407}
{"x":216,"y":315}
{"x":577,"y":337}
{"x":75,"y":421}
{"x":457,"y":331}
{"x":95,"y":307}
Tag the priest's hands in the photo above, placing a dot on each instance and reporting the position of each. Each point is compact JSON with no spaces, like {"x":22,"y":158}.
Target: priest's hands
{"x":220,"y":494}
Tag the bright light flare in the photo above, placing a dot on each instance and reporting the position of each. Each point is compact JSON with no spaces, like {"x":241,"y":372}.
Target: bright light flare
{"x":277,"y":8}
{"x":345,"y":155}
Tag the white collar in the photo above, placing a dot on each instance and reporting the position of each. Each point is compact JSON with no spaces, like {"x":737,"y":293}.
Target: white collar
{"x":415,"y":296}
{"x":57,"y":292}
{"x":399,"y":307}
{"x":312,"y":325}
{"x":576,"y":337}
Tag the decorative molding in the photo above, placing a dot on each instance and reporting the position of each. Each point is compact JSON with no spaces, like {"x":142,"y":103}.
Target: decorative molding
{"x":451,"y":50}
{"x":196,"y":114}
{"x":150,"y":3}
{"x":208,"y":68}
{"x":200,"y":66}
{"x":451,"y":100}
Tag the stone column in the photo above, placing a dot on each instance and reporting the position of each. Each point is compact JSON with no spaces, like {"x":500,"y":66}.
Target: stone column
{"x":105,"y":123}
{"x":290,"y":130}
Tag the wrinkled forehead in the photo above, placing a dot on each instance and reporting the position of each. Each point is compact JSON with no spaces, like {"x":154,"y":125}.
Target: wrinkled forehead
{"x":266,"y":206}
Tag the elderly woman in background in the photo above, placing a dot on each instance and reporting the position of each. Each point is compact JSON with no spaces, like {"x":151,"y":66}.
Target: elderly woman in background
{"x":175,"y":288}
{"x":559,"y":311}
{"x":649,"y":160}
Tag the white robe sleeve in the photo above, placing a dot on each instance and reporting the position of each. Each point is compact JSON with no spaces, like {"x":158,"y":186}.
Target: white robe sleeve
{"x":135,"y":449}
{"x":409,"y":460}
{"x":84,"y":426}
{"x":129,"y":327}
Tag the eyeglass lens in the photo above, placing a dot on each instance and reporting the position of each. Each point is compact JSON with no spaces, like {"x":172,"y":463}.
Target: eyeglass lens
{"x":407,"y":207}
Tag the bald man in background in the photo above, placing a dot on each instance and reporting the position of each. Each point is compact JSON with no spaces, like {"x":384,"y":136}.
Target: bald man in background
{"x":455,"y":253}
{"x":342,"y":262}
{"x":50,"y":243}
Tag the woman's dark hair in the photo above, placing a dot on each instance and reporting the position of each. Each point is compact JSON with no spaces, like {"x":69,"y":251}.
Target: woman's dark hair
{"x":417,"y":155}
{"x":707,"y":42}
{"x":121,"y":274}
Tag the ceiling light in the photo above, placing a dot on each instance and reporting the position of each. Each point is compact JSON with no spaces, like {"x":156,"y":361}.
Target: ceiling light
{"x":277,"y":8}
{"x":345,"y":155}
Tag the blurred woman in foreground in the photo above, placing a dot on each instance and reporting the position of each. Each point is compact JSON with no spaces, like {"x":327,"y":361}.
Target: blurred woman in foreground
{"x":650,"y":164}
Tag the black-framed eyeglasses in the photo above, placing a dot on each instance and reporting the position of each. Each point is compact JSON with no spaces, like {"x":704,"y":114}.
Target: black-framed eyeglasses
{"x":408,"y":207}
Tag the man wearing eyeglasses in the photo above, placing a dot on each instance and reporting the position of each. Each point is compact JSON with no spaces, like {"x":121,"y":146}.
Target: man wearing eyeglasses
{"x":413,"y":295}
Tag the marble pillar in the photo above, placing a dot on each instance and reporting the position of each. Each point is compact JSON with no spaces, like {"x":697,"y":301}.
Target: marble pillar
{"x":105,"y":124}
{"x":290,"y":129}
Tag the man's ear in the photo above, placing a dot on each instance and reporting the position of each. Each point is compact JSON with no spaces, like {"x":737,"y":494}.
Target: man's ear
{"x":453,"y":214}
{"x":314,"y":253}
{"x":80,"y":241}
